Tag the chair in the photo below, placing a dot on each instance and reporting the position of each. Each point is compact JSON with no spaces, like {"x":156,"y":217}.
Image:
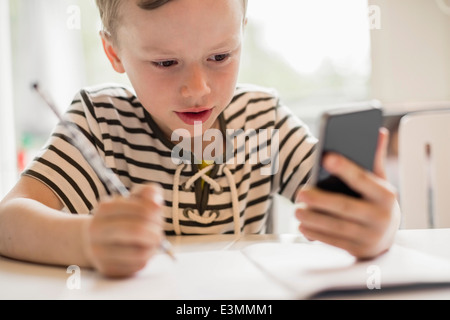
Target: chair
{"x":424,"y":169}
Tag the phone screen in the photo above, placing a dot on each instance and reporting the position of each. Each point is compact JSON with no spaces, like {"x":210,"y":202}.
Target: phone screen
{"x":352,"y":132}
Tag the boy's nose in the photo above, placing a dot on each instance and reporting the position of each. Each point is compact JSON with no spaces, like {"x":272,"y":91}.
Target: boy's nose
{"x":196,"y":84}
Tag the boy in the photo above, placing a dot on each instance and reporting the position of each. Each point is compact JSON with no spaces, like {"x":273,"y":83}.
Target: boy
{"x":182,"y":59}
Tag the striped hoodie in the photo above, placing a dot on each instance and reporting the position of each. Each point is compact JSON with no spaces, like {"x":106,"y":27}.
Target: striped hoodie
{"x":268,"y":151}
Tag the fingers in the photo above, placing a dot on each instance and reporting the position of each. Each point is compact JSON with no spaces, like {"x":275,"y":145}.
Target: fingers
{"x":360,"y":235}
{"x":149,"y":192}
{"x":370,"y":186}
{"x":125,"y":232}
{"x":345,"y":222}
{"x":355,"y":246}
{"x":122,"y":261}
{"x":123,"y":208}
{"x":341,"y":206}
{"x":363,"y":226}
{"x":145,"y":201}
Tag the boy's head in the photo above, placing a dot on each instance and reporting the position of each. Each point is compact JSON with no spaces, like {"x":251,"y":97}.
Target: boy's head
{"x":110,"y":11}
{"x":181,"y":56}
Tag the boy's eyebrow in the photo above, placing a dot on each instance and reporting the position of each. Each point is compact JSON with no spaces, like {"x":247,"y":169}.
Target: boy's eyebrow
{"x":233,"y":41}
{"x":157,"y":49}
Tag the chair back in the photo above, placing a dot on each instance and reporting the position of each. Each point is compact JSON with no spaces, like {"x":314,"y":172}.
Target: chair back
{"x":424,"y":169}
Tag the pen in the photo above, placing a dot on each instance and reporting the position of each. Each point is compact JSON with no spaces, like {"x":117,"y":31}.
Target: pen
{"x":105,"y":174}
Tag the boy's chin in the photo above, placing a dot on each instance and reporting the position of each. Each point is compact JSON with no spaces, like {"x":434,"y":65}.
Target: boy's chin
{"x":198,"y":130}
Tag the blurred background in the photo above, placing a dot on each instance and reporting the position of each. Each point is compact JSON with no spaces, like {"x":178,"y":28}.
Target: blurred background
{"x":318,"y":54}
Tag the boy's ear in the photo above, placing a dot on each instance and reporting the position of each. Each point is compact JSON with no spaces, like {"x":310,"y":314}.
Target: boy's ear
{"x":111,"y":53}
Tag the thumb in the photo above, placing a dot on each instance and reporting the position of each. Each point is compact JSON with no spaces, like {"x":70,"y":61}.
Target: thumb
{"x":380,"y":156}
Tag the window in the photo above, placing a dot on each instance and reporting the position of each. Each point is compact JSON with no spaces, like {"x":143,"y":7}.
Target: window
{"x":315,"y":53}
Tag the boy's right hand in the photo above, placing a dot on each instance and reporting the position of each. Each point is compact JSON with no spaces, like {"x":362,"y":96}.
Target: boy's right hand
{"x":124,"y":233}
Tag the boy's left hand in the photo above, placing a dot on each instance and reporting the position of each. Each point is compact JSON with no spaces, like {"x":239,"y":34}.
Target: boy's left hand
{"x":364,"y":227}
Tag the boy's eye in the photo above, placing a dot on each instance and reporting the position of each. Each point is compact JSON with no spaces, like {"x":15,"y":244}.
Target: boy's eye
{"x":165,"y":64}
{"x":220,"y":57}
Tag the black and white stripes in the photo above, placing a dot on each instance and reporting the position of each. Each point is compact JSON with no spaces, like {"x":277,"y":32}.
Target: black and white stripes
{"x":113,"y":120}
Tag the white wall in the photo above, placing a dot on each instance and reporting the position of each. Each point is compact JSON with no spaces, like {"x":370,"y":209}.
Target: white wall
{"x":8,"y":173}
{"x":411,"y":51}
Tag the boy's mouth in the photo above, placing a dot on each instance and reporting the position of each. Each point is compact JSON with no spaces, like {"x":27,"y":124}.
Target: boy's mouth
{"x":195,"y":116}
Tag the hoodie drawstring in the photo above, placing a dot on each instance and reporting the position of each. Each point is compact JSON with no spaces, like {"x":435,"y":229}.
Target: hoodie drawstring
{"x":213,"y":215}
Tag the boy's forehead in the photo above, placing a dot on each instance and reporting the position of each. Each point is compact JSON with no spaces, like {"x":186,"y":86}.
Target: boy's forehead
{"x":131,"y":11}
{"x":182,"y":18}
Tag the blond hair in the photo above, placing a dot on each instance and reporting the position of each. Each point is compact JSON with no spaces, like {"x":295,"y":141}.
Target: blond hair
{"x":110,"y":13}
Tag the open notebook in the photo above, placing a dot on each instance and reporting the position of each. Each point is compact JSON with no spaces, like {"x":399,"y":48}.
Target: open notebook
{"x":266,"y":271}
{"x":309,"y":269}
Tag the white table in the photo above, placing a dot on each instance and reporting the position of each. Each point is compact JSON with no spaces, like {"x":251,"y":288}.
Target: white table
{"x":21,"y":280}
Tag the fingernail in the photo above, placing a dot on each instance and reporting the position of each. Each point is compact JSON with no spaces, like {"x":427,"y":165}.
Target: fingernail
{"x":301,"y":197}
{"x":158,"y":198}
{"x":331,"y":161}
{"x":300,"y":205}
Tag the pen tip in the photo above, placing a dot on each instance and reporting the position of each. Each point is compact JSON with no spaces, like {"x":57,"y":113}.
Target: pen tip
{"x":167,"y":248}
{"x":172,"y":255}
{"x":35,"y":85}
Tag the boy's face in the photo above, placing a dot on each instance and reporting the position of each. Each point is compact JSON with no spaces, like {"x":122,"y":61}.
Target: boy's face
{"x":182,"y":59}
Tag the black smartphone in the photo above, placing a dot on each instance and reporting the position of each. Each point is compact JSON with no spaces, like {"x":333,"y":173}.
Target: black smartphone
{"x":353,"y":132}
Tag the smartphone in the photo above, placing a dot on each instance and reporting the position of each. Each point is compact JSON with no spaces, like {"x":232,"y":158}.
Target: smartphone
{"x":352,"y":132}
